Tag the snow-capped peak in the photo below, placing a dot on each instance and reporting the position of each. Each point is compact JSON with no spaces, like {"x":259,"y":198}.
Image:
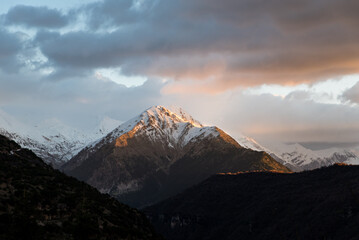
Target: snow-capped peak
{"x":169,"y":116}
{"x":159,"y":116}
{"x":174,"y":126}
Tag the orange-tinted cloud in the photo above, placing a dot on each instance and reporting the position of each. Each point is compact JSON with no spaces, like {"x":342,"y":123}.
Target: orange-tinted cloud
{"x":235,"y":43}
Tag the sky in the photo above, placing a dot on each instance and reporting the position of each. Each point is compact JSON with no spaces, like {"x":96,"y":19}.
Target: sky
{"x":274,"y":70}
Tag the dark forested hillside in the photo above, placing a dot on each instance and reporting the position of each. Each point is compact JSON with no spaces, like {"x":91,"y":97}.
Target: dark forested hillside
{"x":37,"y":202}
{"x":320,"y":204}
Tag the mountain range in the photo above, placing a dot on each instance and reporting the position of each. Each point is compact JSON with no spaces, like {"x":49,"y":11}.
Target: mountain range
{"x":52,"y":140}
{"x":158,"y":154}
{"x":299,"y":158}
{"x":56,"y":143}
{"x":234,"y":186}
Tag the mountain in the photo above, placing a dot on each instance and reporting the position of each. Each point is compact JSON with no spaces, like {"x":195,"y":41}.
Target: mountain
{"x":52,"y":140}
{"x":160,"y":153}
{"x":298,"y":158}
{"x":302,"y":158}
{"x":38,"y":202}
{"x":318,"y":204}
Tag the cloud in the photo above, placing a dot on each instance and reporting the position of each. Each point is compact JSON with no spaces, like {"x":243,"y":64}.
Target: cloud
{"x":269,"y":118}
{"x":79,"y":102}
{"x":242,"y":43}
{"x":36,"y":17}
{"x":10,"y":46}
{"x":198,"y":47}
{"x":352,"y":94}
{"x":110,"y":13}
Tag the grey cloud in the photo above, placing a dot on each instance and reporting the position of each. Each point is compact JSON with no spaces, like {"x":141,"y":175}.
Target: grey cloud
{"x":79,"y":49}
{"x":79,"y":102}
{"x":254,"y":41}
{"x":10,"y":47}
{"x":109,"y":13}
{"x":299,"y":95}
{"x":36,"y":17}
{"x":352,"y":94}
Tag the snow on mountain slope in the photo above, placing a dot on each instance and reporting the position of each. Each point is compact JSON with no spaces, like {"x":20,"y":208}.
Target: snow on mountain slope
{"x":307,"y":159}
{"x":250,"y":143}
{"x":57,"y":143}
{"x":158,"y":154}
{"x":298,"y":158}
{"x":160,"y":135}
{"x":53,"y":141}
{"x":160,"y":123}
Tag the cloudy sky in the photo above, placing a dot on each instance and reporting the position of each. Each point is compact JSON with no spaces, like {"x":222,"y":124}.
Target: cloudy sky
{"x":274,"y":70}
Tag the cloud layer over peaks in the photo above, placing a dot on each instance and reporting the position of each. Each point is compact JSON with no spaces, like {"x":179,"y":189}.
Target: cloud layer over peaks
{"x":237,"y":42}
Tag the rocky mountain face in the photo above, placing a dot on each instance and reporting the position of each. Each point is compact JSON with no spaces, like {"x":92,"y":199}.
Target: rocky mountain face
{"x":160,"y":153}
{"x":318,"y":204}
{"x":298,"y":158}
{"x":53,"y":141}
{"x":38,"y":202}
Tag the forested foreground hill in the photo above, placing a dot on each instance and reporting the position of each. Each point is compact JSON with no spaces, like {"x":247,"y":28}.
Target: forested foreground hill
{"x":38,"y":202}
{"x":318,"y":204}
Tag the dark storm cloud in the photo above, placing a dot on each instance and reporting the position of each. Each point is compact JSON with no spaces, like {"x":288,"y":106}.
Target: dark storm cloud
{"x":36,"y":17}
{"x":233,"y":43}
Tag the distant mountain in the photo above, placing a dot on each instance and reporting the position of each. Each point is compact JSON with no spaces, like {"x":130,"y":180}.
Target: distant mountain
{"x":318,"y":204}
{"x":52,"y":140}
{"x":160,"y":153}
{"x":301,"y":158}
{"x":38,"y":202}
{"x":298,"y":158}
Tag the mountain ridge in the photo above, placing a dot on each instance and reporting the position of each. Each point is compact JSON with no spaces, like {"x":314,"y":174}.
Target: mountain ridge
{"x":144,"y":154}
{"x":52,"y":140}
{"x":317,"y":204}
{"x":299,"y":158}
{"x":38,"y":202}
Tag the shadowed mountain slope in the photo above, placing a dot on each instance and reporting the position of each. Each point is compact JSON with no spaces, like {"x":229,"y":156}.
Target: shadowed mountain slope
{"x":38,"y":202}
